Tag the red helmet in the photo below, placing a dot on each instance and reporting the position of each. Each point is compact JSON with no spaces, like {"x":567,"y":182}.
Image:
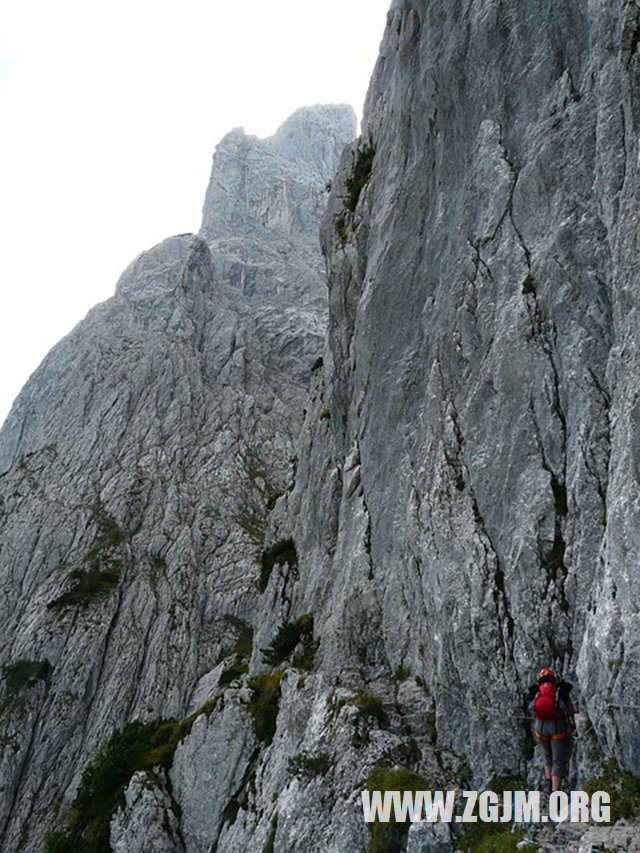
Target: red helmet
{"x":544,"y":672}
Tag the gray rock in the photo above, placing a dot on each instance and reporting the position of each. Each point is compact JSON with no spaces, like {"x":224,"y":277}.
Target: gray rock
{"x":623,"y":836}
{"x":264,"y":201}
{"x":209,"y":768}
{"x":429,"y":838}
{"x":480,"y":402}
{"x":137,"y":468}
{"x":148,"y":821}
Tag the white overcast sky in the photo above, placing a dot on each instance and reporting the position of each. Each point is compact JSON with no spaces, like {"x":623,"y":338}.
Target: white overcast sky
{"x":110,"y":113}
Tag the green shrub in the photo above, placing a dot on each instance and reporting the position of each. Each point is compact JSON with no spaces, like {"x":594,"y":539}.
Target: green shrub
{"x":359,"y":176}
{"x":528,"y":285}
{"x":391,"y":837}
{"x":263,"y":705}
{"x":109,"y":536}
{"x":623,"y":788}
{"x":137,"y":746}
{"x":370,"y":707}
{"x":103,"y":572}
{"x":282,"y":551}
{"x":19,"y":677}
{"x":341,"y":228}
{"x":60,"y":842}
{"x":464,"y":775}
{"x":291,"y":635}
{"x":88,"y":585}
{"x":244,"y":643}
{"x":307,"y":767}
{"x":493,"y":838}
{"x":242,"y":650}
{"x":256,"y":492}
{"x":401,"y":674}
{"x":24,"y":674}
{"x":231,"y":673}
{"x":268,"y":847}
{"x":304,"y":657}
{"x":102,"y":787}
{"x":354,"y":184}
{"x":158,"y":564}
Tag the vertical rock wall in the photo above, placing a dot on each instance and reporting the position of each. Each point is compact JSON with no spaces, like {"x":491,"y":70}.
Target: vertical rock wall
{"x":480,"y":372}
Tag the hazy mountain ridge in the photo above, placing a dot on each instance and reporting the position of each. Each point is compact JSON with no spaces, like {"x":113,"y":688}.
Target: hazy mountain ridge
{"x":138,"y":464}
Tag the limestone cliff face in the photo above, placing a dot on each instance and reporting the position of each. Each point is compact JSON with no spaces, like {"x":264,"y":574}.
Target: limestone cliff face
{"x":137,"y":470}
{"x":473,"y":424}
{"x":461,"y":508}
{"x":263,"y":204}
{"x":481,"y":371}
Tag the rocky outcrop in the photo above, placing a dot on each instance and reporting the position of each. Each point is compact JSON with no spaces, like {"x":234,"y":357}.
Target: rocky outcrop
{"x":138,"y":468}
{"x":263,"y":204}
{"x":463,"y":509}
{"x":454,"y":509}
{"x":479,"y":241}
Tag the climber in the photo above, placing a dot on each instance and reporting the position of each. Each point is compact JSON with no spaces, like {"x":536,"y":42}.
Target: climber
{"x":554,"y":721}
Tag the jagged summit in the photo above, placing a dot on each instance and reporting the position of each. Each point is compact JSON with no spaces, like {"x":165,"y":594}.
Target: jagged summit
{"x":263,"y":208}
{"x":314,"y":135}
{"x":270,"y":194}
{"x":301,"y":156}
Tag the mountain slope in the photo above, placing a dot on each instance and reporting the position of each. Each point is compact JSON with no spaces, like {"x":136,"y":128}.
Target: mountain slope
{"x":463,"y":508}
{"x":139,"y":464}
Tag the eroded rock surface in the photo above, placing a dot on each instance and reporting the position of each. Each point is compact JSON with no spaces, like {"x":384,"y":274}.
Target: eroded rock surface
{"x":138,"y":468}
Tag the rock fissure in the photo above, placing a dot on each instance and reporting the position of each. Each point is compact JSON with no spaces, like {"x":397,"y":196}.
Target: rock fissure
{"x":509,"y":211}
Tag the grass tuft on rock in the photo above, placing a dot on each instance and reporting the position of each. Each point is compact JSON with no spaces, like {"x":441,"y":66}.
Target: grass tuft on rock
{"x":292,"y":636}
{"x":391,"y":837}
{"x":306,"y":767}
{"x":137,"y":746}
{"x":24,"y":674}
{"x":359,"y":177}
{"x":493,"y":838}
{"x":103,"y":561}
{"x":20,"y":676}
{"x":264,"y":703}
{"x":623,"y":788}
{"x":281,"y":552}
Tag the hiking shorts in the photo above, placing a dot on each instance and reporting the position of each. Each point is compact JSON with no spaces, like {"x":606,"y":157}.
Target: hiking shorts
{"x":553,"y":737}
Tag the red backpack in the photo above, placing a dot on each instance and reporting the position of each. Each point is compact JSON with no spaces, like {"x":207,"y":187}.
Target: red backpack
{"x":545,"y":705}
